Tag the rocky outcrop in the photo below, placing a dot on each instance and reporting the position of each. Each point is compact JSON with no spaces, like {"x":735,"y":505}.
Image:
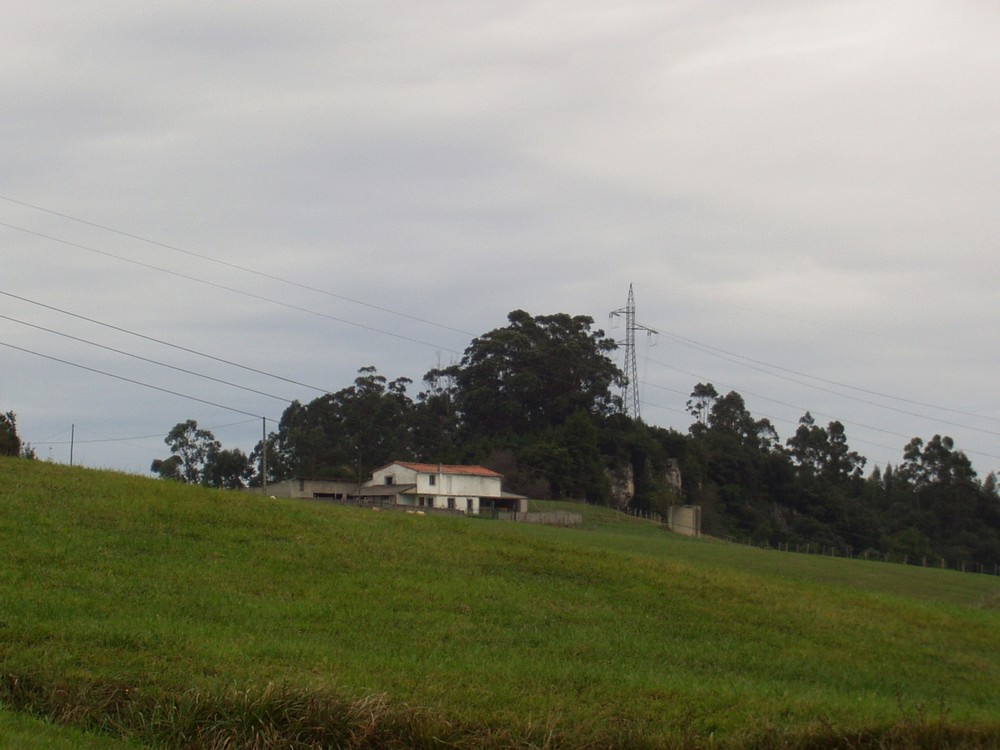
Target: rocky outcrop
{"x":622,"y":480}
{"x":673,"y":474}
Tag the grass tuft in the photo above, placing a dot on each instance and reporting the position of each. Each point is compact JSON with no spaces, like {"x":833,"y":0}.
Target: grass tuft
{"x":287,"y":718}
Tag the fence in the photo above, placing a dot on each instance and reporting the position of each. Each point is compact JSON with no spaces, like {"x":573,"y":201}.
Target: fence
{"x":644,"y":514}
{"x":848,"y":552}
{"x":681,"y":519}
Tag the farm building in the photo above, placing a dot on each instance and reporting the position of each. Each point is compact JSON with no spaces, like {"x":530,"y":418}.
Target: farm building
{"x":319,"y":489}
{"x":464,"y":489}
{"x":467,"y":489}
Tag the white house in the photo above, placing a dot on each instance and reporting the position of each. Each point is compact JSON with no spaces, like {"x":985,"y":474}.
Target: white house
{"x":463,"y":488}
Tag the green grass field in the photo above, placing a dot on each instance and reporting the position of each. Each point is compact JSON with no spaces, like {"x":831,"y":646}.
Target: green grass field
{"x":29,"y":733}
{"x":183,"y":617}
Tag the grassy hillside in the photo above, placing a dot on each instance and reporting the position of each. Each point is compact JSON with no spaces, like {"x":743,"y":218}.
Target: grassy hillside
{"x":179,"y":615}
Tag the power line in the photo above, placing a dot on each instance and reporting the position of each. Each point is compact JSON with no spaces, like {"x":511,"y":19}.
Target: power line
{"x":234,"y":266}
{"x":103,"y":440}
{"x":774,"y":401}
{"x":135,"y":382}
{"x":147,"y":359}
{"x":301,"y":309}
{"x":716,"y":351}
{"x":743,"y":360}
{"x":158,"y":435}
{"x":848,"y":423}
{"x":225,"y":288}
{"x":164,"y":343}
{"x":300,"y":285}
{"x":708,"y":350}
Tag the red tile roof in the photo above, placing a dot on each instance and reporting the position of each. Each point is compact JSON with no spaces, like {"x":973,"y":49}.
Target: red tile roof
{"x":476,"y":471}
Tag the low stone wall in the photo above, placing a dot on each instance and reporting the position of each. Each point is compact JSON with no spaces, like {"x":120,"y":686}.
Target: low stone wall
{"x":551,"y":518}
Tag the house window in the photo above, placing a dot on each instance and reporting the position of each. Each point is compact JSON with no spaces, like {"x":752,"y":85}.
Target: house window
{"x":468,"y":504}
{"x":451,"y":503}
{"x":432,"y":479}
{"x":388,"y":479}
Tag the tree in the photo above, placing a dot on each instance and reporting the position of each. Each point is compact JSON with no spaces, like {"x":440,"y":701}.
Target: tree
{"x":730,"y":417}
{"x":191,"y":449}
{"x":990,"y":486}
{"x":703,"y":397}
{"x":734,"y":464}
{"x":952,"y":508}
{"x":936,"y":463}
{"x":228,"y":469}
{"x":10,"y":443}
{"x":842,"y":463}
{"x":435,"y":419}
{"x":533,"y":374}
{"x":363,"y":426}
{"x":278,"y":466}
{"x":168,"y":468}
{"x":808,"y":445}
{"x":569,"y":458}
{"x":824,"y":452}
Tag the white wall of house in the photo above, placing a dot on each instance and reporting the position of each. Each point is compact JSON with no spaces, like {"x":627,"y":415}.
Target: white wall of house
{"x":439,"y":483}
{"x":439,"y":489}
{"x":461,"y":503}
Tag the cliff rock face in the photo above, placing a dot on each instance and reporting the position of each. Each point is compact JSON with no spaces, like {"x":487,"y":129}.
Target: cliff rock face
{"x":622,"y":485}
{"x":673,"y":475}
{"x":622,"y":479}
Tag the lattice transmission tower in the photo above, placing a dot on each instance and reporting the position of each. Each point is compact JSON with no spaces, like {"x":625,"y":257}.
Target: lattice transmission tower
{"x":630,"y":390}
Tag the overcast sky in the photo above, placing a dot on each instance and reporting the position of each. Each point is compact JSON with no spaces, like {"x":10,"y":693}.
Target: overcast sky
{"x":802,"y":194}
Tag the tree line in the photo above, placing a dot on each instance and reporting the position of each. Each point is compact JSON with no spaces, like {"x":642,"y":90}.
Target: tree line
{"x":813,"y":489}
{"x":537,"y":400}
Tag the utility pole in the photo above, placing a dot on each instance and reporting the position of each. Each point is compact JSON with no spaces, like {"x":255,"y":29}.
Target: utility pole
{"x":72,"y":442}
{"x":630,"y":391}
{"x":359,"y":478}
{"x":263,"y":457}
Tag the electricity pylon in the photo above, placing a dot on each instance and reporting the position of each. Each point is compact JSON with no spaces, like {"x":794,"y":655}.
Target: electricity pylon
{"x":630,"y":390}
